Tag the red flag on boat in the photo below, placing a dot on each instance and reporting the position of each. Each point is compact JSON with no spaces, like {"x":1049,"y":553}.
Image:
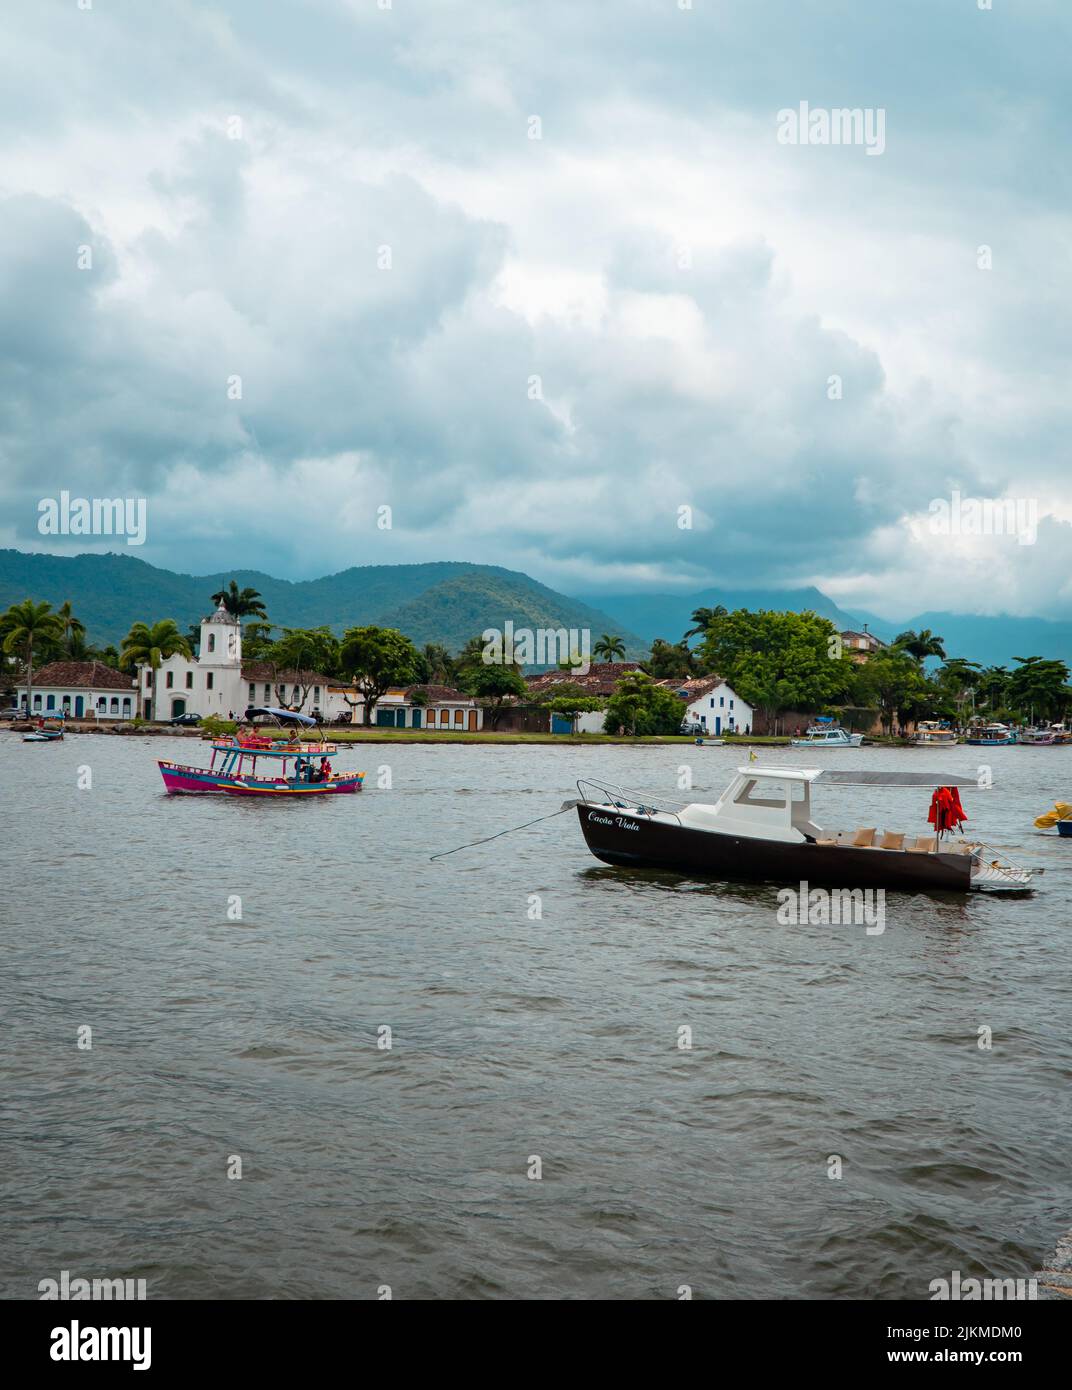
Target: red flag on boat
{"x":946,"y":812}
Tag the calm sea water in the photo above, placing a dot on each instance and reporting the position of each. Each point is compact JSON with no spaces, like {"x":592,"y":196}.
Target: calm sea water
{"x":513,"y":1036}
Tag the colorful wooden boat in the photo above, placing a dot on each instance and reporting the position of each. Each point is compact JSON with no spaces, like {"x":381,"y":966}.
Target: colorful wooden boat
{"x":992,"y":736}
{"x":236,"y":770}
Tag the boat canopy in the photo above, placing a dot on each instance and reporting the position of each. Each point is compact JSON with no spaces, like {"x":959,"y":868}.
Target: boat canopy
{"x":865,"y":777}
{"x":285,"y":716}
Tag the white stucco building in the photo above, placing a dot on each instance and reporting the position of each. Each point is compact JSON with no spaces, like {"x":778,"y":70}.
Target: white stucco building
{"x":218,"y":682}
{"x":710,"y":702}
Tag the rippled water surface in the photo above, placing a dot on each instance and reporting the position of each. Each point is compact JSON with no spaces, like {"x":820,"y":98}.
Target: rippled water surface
{"x":555,"y":1036}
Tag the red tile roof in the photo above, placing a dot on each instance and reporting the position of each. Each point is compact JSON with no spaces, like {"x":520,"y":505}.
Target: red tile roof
{"x":81,"y":675}
{"x":265,"y":671}
{"x":600,"y":679}
{"x":696,"y":687}
{"x":441,"y":694}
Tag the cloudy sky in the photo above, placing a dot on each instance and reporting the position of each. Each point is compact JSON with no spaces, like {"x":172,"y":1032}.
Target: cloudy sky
{"x":333,"y":270}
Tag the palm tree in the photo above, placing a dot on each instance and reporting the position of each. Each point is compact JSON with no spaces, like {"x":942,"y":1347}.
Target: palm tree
{"x":919,"y":645}
{"x":608,"y":648}
{"x":703,"y":618}
{"x":24,"y":626}
{"x":440,"y":663}
{"x":74,"y":630}
{"x":149,"y":646}
{"x":241,"y":603}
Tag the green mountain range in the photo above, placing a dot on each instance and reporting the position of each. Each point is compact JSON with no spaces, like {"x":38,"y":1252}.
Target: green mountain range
{"x":452,"y":601}
{"x":991,"y":640}
{"x":444,"y":601}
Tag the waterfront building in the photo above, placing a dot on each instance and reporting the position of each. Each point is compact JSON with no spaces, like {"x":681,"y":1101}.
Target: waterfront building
{"x":81,"y":690}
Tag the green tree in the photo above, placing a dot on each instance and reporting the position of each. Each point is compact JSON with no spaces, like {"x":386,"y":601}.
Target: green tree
{"x":439,"y":664}
{"x":257,"y":640}
{"x":608,"y":648}
{"x":1038,"y":688}
{"x":310,"y":653}
{"x":149,"y":646}
{"x":377,"y":658}
{"x":74,"y":631}
{"x":26,"y":627}
{"x":642,"y":708}
{"x":671,"y":661}
{"x":494,"y":685}
{"x":919,"y":645}
{"x":703,"y":619}
{"x":778,"y":661}
{"x":892,"y":681}
{"x":568,"y":700}
{"x":241,"y":603}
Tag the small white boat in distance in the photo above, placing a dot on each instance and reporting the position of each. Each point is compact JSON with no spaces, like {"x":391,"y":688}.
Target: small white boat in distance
{"x":930,"y":732}
{"x":827,"y":735}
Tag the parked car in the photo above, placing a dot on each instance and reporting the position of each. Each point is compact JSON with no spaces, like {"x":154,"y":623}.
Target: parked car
{"x":14,"y":713}
{"x":186,"y":719}
{"x":690,"y":726}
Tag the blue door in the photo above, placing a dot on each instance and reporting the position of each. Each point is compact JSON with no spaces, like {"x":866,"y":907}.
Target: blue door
{"x":79,"y":706}
{"x":559,"y":725}
{"x":416,"y":718}
{"x":718,"y":724}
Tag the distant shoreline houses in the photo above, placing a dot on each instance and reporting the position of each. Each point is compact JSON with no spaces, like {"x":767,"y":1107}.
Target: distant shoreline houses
{"x":218,"y":682}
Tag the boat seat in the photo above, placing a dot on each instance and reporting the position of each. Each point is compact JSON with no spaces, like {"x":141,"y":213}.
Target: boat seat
{"x":864,"y":838}
{"x":925,"y":844}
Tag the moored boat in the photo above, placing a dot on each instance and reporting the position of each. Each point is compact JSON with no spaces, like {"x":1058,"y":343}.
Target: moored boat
{"x":237,"y":765}
{"x":991,"y":735}
{"x":761,"y":828}
{"x":931,"y":733}
{"x":47,"y":731}
{"x":1038,"y":738}
{"x":824,"y":733}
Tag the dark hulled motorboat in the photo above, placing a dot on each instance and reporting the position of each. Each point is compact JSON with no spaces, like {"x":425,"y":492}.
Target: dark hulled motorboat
{"x":761,"y":828}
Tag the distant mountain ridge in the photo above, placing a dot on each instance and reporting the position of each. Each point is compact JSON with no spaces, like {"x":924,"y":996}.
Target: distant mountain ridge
{"x":442,"y":601}
{"x":989,"y":640}
{"x":450,"y":601}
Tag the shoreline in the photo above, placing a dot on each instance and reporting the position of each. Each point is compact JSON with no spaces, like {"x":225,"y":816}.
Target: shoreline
{"x":385,"y":734}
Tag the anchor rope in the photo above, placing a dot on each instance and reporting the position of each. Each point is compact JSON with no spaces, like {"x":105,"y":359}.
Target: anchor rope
{"x":498,"y":835}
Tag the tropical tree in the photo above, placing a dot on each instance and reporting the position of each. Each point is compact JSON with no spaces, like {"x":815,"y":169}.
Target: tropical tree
{"x":671,"y":660}
{"x":568,"y":699}
{"x":439,"y":664}
{"x":919,"y":645}
{"x":377,"y":658}
{"x":26,"y":626}
{"x":469,"y":661}
{"x":992,"y":684}
{"x":309,"y":653}
{"x":257,"y":640}
{"x":779,"y":660}
{"x":609,"y":648}
{"x":892,"y":681}
{"x":149,"y":646}
{"x":703,"y":619}
{"x":241,"y":603}
{"x":1039,"y":688}
{"x":73,"y":629}
{"x":494,"y":685}
{"x":641,"y":707}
